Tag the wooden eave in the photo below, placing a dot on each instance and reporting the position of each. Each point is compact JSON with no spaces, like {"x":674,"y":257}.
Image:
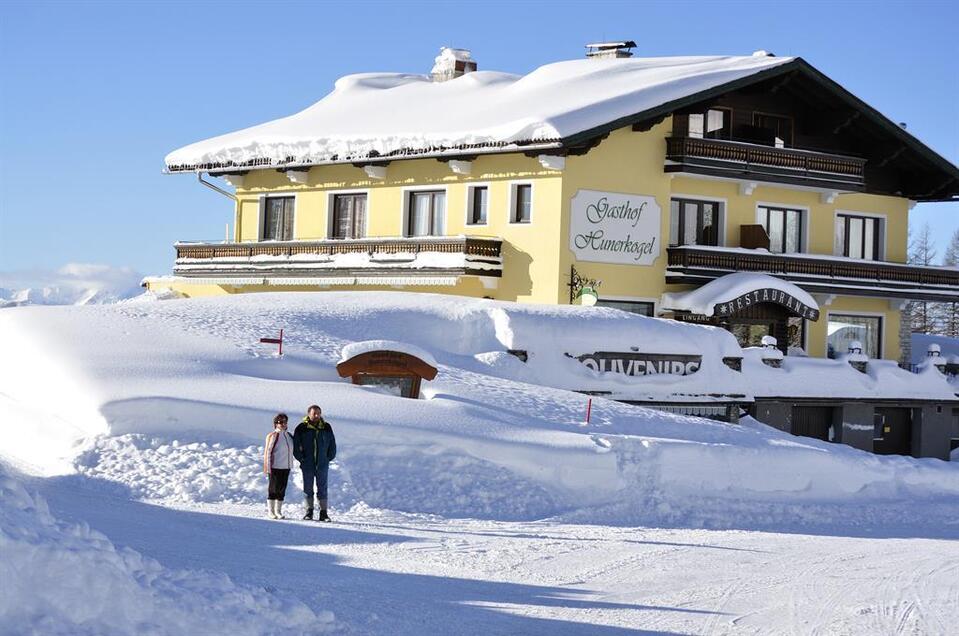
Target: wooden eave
{"x":918,"y":153}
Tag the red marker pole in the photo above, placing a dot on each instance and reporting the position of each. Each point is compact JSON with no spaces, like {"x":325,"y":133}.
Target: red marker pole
{"x":589,"y":408}
{"x":276,"y":341}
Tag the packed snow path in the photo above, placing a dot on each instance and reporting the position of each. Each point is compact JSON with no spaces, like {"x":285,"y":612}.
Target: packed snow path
{"x":384,"y":572}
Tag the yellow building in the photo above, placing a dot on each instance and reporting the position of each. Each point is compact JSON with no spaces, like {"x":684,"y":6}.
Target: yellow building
{"x":642,"y":179}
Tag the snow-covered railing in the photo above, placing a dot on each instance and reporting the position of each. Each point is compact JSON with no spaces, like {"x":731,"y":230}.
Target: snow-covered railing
{"x":489,"y":247}
{"x":446,"y":255}
{"x":814,"y":272}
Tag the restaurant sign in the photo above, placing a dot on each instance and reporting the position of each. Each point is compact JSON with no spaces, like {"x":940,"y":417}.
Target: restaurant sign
{"x":641,"y":364}
{"x":611,"y":227}
{"x":766,"y":295}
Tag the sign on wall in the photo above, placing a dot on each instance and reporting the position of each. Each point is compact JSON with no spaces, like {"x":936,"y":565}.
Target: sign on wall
{"x":641,"y":364}
{"x":612,"y":227}
{"x":766,"y":295}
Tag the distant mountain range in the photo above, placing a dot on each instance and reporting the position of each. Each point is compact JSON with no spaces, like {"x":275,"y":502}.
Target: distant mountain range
{"x":72,"y":284}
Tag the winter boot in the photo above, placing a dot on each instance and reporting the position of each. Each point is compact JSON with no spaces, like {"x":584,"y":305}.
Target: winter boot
{"x":323,"y":515}
{"x":279,"y":508}
{"x":271,"y":508}
{"x":309,"y":508}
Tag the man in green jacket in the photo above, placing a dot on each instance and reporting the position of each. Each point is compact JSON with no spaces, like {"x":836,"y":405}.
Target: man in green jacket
{"x":314,"y":446}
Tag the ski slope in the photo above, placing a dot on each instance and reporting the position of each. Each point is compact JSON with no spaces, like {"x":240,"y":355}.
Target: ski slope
{"x":489,"y":506}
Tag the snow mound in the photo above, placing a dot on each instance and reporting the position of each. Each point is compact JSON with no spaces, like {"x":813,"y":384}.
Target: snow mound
{"x":67,"y":579}
{"x":173,"y":400}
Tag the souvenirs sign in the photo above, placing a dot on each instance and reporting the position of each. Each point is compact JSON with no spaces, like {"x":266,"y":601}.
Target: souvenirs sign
{"x":640,"y":364}
{"x":611,"y":227}
{"x":766,"y":295}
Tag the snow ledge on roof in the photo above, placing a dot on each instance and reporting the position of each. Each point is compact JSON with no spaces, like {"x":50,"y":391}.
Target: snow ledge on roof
{"x":383,"y":114}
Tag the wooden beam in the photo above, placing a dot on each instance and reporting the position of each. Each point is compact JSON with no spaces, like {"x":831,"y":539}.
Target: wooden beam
{"x":896,"y":153}
{"x":647,"y":125}
{"x":845,"y":124}
{"x":586,"y":147}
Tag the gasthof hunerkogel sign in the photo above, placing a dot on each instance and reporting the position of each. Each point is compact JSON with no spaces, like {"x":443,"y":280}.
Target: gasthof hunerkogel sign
{"x":612,"y":227}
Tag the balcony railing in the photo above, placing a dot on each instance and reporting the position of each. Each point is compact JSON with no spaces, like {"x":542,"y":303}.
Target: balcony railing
{"x":342,"y":259}
{"x":719,"y":157}
{"x":816,"y":273}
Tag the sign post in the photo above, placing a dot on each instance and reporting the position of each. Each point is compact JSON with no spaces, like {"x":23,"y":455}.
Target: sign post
{"x":276,"y":341}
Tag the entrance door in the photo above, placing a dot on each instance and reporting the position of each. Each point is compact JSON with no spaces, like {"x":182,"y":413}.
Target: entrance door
{"x":812,"y":421}
{"x":894,"y":436}
{"x":749,"y":333}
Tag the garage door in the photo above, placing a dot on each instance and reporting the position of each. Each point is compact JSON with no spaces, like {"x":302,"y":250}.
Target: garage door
{"x":812,"y":421}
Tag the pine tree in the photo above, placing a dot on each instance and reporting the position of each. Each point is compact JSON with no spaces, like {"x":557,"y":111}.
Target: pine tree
{"x":949,"y":315}
{"x":922,"y":251}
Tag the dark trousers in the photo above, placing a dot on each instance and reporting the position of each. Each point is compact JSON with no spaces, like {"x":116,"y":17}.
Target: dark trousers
{"x":278,"y":479}
{"x":318,"y":475}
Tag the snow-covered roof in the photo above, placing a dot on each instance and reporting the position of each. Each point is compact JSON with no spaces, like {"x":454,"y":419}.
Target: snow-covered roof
{"x":391,"y":114}
{"x":359,"y":348}
{"x":703,"y":300}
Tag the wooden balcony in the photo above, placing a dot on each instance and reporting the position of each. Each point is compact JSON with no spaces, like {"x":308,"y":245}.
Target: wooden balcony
{"x":739,"y":160}
{"x":423,"y":260}
{"x":821,"y":274}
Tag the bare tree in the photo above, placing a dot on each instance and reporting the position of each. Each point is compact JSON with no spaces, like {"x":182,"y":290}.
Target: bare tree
{"x":949,"y":313}
{"x":922,"y":251}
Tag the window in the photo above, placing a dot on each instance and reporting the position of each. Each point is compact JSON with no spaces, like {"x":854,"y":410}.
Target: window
{"x":784,"y":228}
{"x":642,"y":308}
{"x":522,"y":203}
{"x":349,"y":216}
{"x":780,"y":129}
{"x":693,"y":222}
{"x":427,"y":213}
{"x":277,"y":219}
{"x":842,"y":329}
{"x":858,"y":236}
{"x":715,"y":123}
{"x":478,"y":197}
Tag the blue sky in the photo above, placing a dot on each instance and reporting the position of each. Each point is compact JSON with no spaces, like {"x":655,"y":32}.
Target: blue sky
{"x":93,"y":95}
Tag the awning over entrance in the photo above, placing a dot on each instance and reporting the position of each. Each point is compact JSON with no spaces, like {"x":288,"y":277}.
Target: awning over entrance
{"x":733,"y":293}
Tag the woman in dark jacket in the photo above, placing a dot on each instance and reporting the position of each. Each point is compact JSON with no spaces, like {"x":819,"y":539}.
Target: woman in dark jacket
{"x":314,"y":446}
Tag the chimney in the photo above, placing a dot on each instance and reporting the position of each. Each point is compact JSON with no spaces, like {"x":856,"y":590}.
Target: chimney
{"x":451,"y":63}
{"x":603,"y":50}
{"x":771,"y":355}
{"x":855,"y":357}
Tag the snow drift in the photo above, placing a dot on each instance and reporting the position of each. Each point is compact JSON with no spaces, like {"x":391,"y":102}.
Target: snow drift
{"x":67,"y":579}
{"x":170,"y":398}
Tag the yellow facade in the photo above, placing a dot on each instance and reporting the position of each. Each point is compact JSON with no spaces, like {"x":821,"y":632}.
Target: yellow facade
{"x":536,"y":255}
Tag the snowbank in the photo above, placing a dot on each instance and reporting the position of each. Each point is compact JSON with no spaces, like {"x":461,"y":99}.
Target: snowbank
{"x":68,"y":579}
{"x":173,"y":399}
{"x":836,"y":378}
{"x":373,"y":114}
